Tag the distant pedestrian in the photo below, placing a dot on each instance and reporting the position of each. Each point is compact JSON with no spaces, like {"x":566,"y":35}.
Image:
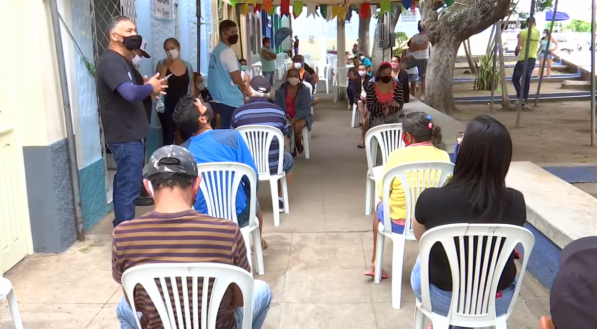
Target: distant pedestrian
{"x":296,"y":45}
{"x":521,"y":52}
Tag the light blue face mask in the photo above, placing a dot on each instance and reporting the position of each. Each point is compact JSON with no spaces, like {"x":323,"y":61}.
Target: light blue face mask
{"x":243,"y":67}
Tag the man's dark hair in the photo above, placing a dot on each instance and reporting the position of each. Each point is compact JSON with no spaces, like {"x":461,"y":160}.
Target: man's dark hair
{"x":114,"y":22}
{"x":265,"y":40}
{"x":186,"y":116}
{"x":531,"y":21}
{"x":173,"y":40}
{"x":420,"y":26}
{"x":170,"y":180}
{"x":298,"y":59}
{"x":242,"y":60}
{"x":226,"y":25}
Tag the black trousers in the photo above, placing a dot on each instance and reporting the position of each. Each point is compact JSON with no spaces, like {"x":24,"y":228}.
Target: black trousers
{"x":168,"y":127}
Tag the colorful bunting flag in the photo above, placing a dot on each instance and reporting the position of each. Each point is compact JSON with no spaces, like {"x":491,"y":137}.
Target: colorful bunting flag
{"x":365,"y":10}
{"x":268,"y":5}
{"x":244,"y":9}
{"x":311,"y":10}
{"x":373,"y":10}
{"x":285,"y":8}
{"x":297,"y":7}
{"x":449,"y":2}
{"x":385,"y":7}
{"x":407,"y":3}
{"x":413,"y":8}
{"x":328,"y":16}
{"x":252,"y":2}
{"x":257,"y":8}
{"x":272,"y":11}
{"x":323,"y":9}
{"x":232,"y":2}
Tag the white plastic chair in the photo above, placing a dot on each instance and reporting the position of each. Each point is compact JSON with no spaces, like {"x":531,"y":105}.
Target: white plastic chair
{"x":219,"y":185}
{"x":389,"y":138}
{"x":259,"y":139}
{"x":356,"y":116}
{"x":323,"y":74}
{"x":256,"y":69}
{"x":415,"y":178}
{"x":308,"y":85}
{"x":194,"y":281}
{"x":7,"y":291}
{"x":473,"y":294}
{"x":307,"y":58}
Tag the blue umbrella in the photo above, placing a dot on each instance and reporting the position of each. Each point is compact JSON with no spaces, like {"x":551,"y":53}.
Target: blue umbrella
{"x":560,"y":16}
{"x":281,"y":34}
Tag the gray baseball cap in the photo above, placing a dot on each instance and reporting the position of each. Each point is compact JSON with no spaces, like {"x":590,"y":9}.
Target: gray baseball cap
{"x":172,"y":159}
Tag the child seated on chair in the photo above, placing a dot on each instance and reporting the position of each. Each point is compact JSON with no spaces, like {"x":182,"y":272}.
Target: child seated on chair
{"x":421,"y":139}
{"x":476,"y":193}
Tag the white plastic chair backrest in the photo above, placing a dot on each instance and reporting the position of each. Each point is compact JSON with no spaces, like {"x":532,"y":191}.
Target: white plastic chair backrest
{"x":415,"y":178}
{"x":256,"y":69}
{"x":322,"y":71}
{"x":259,"y":139}
{"x":307,"y":58}
{"x":219,"y":185}
{"x":162,"y":282}
{"x":476,"y":274}
{"x":388,"y":137}
{"x":308,"y":85}
{"x":330,"y":58}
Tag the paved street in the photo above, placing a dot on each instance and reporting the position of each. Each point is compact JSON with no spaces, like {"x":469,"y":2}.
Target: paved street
{"x":314,"y":263}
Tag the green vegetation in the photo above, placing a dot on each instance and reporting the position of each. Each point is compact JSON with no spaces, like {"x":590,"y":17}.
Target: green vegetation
{"x":578,"y":26}
{"x":485,"y":74}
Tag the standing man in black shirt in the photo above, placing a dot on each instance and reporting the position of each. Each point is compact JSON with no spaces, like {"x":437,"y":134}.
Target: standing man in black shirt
{"x":124,"y":120}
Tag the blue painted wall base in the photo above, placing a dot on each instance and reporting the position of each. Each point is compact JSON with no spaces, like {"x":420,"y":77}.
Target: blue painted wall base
{"x":543,"y":264}
{"x":92,"y":180}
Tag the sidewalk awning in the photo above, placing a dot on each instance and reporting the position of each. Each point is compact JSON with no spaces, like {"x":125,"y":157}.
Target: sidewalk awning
{"x":560,"y":16}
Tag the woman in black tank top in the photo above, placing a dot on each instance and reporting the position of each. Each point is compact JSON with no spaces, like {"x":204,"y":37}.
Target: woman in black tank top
{"x":179,"y":84}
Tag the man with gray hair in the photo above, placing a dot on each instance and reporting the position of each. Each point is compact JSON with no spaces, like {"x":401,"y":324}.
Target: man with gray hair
{"x":124,"y":120}
{"x":260,"y":110}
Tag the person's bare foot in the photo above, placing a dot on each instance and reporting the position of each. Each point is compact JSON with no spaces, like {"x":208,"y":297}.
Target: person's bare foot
{"x":263,"y":244}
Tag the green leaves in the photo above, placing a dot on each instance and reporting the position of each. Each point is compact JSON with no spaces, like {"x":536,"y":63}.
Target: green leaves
{"x":485,"y":73}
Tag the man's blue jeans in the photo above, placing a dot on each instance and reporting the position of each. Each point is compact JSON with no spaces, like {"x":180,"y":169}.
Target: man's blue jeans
{"x":129,"y":157}
{"x":262,"y":298}
{"x":517,"y":77}
{"x":270,"y":77}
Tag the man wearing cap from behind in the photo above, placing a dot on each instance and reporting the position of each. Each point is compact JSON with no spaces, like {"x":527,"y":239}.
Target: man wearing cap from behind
{"x":175,"y":233}
{"x":259,"y":110}
{"x":573,"y":297}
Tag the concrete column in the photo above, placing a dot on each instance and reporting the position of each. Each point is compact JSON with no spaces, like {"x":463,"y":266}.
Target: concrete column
{"x":341,"y":43}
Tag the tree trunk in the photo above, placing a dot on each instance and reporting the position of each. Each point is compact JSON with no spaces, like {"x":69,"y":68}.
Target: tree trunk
{"x":364,"y":35}
{"x":440,"y":73}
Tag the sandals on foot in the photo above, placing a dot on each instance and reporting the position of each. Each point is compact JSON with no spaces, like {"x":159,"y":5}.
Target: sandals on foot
{"x":372,"y":274}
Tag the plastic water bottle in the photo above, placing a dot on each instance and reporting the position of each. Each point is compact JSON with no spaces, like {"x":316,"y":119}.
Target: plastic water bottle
{"x":159,"y":106}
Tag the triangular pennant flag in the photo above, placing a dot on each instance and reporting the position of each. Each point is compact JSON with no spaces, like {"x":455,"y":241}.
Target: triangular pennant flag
{"x":329,"y":13}
{"x":268,"y":5}
{"x":385,"y":7}
{"x":232,"y":2}
{"x":297,"y":8}
{"x":252,"y":2}
{"x":407,"y":3}
{"x":257,"y":8}
{"x":349,"y":15}
{"x":341,"y":13}
{"x":334,"y":12}
{"x":251,"y":10}
{"x":272,"y":11}
{"x":365,"y":10}
{"x":285,"y":8}
{"x":244,"y":9}
{"x":323,"y":9}
{"x":449,"y":2}
{"x":311,"y":10}
{"x":413,"y":8}
{"x":373,"y":10}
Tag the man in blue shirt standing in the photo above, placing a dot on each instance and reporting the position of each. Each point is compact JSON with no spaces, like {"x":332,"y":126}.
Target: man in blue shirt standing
{"x":224,"y":77}
{"x":208,"y":145}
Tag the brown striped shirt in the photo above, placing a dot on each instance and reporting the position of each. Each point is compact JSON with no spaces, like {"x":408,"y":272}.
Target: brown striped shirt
{"x":184,"y":237}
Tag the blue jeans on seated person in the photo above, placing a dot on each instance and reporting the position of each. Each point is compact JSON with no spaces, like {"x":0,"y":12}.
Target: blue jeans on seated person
{"x":396,"y":228}
{"x":441,"y":299}
{"x":262,"y":298}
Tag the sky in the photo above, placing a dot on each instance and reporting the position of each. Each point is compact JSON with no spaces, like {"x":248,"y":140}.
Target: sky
{"x":576,"y":9}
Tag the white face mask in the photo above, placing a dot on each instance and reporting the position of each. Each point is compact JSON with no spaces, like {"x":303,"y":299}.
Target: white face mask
{"x":362,"y":73}
{"x":298,"y":65}
{"x":293,"y":81}
{"x":136,"y":60}
{"x":174,"y":54}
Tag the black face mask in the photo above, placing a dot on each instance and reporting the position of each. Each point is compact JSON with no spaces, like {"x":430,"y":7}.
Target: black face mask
{"x":386,"y":79}
{"x":132,"y":42}
{"x":233,"y":39}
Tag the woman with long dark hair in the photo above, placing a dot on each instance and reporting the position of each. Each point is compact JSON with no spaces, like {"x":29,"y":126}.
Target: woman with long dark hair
{"x":385,"y":99}
{"x":180,"y":83}
{"x":475,"y":194}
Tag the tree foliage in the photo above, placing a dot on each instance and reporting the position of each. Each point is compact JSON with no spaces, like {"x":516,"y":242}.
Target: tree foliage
{"x":578,"y":26}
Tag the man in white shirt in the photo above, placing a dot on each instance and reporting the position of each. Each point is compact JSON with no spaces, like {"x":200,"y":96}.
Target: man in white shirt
{"x":419,"y":56}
